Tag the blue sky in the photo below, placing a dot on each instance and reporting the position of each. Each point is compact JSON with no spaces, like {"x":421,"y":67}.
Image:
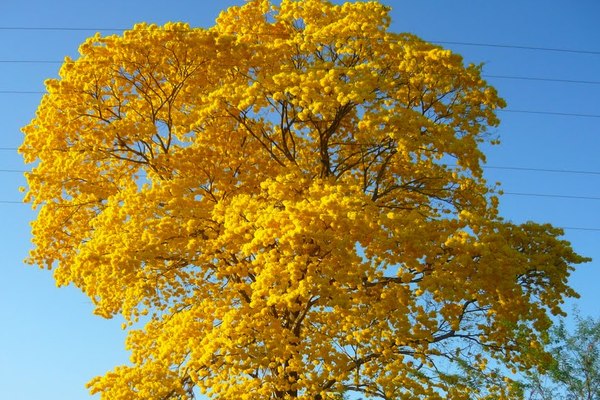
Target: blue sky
{"x":51,"y":344}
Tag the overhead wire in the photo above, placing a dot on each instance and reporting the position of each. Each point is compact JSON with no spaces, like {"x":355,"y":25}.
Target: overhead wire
{"x":562,"y":171}
{"x":540,"y":79}
{"x":519,"y":47}
{"x":444,"y":42}
{"x":556,"y":196}
{"x":556,"y":113}
{"x":505,"y":110}
{"x":489,"y":76}
{"x":528,"y":169}
{"x":566,"y":228}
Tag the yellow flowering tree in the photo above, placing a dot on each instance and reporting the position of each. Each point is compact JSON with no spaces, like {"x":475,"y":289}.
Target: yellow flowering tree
{"x":289,"y":204}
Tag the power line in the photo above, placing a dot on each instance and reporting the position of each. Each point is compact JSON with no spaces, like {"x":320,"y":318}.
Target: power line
{"x":533,"y":112}
{"x":534,"y":78}
{"x":549,"y":170}
{"x":487,"y":76}
{"x":556,"y":113}
{"x":519,"y":47}
{"x":22,"y":92}
{"x":505,"y":193}
{"x":558,"y":196}
{"x":445,"y":42}
{"x":538,"y":112}
{"x":573,"y":228}
{"x":569,"y":228}
{"x":563,"y":171}
{"x":60,"y":29}
{"x":523,"y":78}
{"x":31,"y":62}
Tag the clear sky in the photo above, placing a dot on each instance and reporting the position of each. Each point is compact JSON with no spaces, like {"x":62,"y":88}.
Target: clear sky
{"x":51,"y":344}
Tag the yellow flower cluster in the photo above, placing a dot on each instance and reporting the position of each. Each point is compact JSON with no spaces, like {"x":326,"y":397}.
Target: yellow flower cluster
{"x":271,"y":206}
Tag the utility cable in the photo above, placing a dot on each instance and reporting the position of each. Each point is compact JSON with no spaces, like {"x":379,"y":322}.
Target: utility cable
{"x":557,"y":196}
{"x":445,"y":42}
{"x":560,"y":114}
{"x":509,"y":168}
{"x":534,"y":78}
{"x":562,"y":171}
{"x":519,"y":47}
{"x":490,"y":76}
{"x":567,"y":228}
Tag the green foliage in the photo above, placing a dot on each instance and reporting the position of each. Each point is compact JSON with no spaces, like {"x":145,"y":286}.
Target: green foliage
{"x":574,"y":373}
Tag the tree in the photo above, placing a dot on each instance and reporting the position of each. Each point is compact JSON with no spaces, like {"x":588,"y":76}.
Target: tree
{"x":289,"y":204}
{"x":574,"y":372}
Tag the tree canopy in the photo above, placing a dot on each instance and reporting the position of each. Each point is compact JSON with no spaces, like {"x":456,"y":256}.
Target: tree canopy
{"x":574,"y":373}
{"x":288,"y":204}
